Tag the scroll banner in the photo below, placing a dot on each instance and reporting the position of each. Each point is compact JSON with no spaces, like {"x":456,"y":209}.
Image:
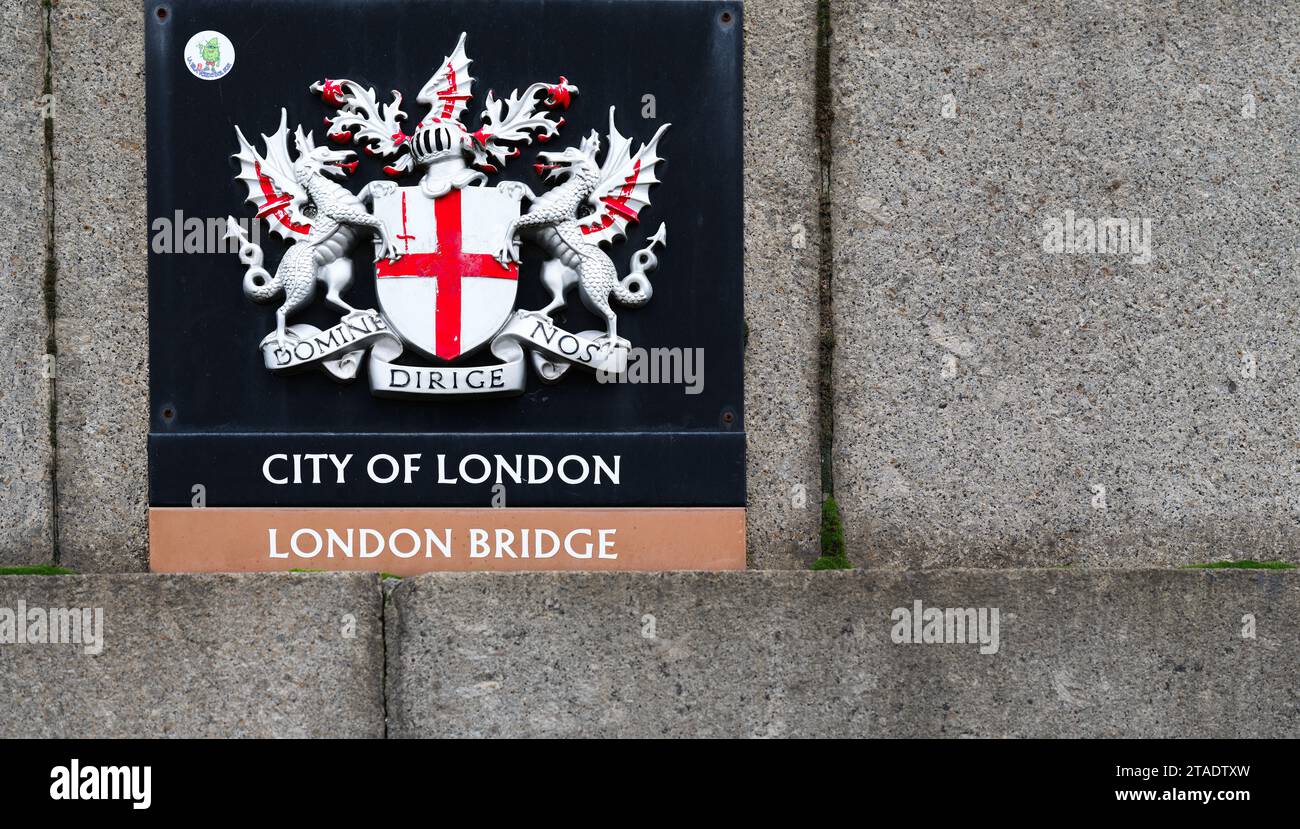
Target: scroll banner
{"x":555,"y":351}
{"x":336,"y":350}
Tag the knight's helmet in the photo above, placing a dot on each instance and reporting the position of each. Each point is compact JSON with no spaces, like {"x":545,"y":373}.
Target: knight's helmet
{"x":437,"y":140}
{"x":443,"y":148}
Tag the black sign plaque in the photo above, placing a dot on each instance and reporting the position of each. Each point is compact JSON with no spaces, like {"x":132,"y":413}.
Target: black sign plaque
{"x":445,"y":285}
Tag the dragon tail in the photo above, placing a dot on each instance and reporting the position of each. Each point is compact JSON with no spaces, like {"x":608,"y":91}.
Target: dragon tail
{"x":635,"y":289}
{"x":259,"y":284}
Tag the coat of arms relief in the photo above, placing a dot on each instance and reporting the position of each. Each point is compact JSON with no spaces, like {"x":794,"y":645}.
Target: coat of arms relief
{"x":448,"y":248}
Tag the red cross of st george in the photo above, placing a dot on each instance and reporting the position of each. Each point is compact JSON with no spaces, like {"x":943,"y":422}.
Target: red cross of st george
{"x":449,"y":265}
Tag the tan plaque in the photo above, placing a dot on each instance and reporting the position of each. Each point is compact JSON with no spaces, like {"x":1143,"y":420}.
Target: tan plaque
{"x":410,"y":541}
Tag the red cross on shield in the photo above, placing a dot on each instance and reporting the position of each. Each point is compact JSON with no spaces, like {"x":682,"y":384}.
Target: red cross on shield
{"x":446,"y":295}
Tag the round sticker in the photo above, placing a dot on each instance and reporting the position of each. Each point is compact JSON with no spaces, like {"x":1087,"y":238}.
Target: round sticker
{"x":210,"y":55}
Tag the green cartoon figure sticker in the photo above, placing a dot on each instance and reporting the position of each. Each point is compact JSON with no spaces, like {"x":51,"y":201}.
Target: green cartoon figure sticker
{"x":209,"y":55}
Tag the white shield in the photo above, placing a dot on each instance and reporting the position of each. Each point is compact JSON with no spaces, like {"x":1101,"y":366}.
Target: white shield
{"x":446,"y":295}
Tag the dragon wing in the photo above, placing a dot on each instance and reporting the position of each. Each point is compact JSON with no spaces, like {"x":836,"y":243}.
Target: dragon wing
{"x":448,"y":92}
{"x":272,"y":187}
{"x":623,"y":190}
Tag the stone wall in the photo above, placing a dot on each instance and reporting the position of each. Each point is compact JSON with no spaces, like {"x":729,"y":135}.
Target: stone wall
{"x":26,"y":489}
{"x":199,"y":656}
{"x":1102,"y":654}
{"x":994,"y":403}
{"x":1142,"y":653}
{"x":1001,"y":405}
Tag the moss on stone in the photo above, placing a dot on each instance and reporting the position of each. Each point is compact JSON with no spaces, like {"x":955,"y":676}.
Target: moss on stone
{"x":36,"y":570}
{"x":834,"y":556}
{"x":1244,"y":564}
